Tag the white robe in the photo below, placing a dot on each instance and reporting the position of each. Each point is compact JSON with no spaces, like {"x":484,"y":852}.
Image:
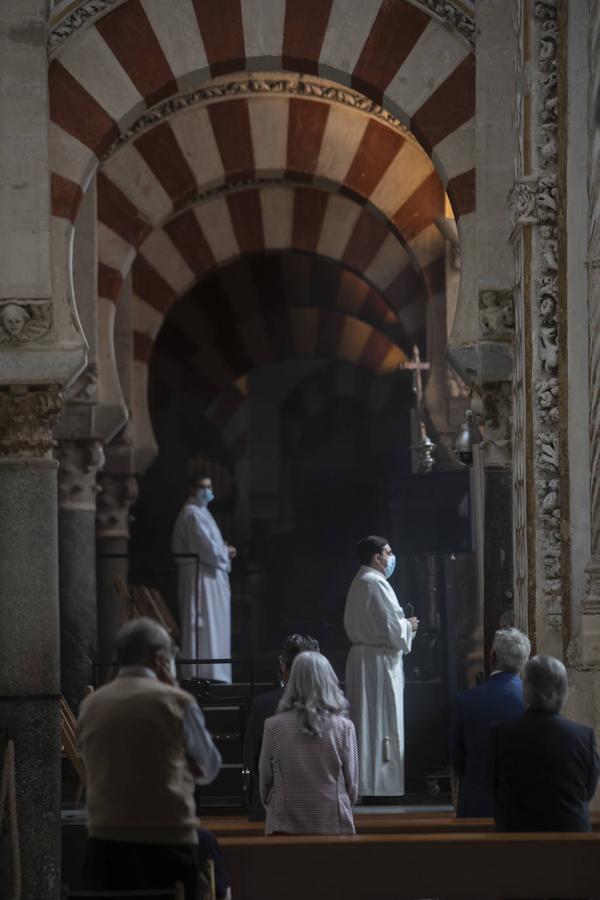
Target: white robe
{"x":380,"y":635}
{"x":205,"y":605}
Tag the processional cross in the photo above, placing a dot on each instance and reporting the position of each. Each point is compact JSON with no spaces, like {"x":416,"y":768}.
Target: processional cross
{"x":423,"y":446}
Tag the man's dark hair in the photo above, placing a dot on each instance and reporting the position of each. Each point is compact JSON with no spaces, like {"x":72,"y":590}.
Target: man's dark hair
{"x":367,"y":547}
{"x":295,"y":644}
{"x":195,"y":478}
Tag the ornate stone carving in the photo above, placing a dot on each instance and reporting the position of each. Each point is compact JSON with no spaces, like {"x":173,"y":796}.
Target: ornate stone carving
{"x":23,"y":321}
{"x":113,"y":504}
{"x":492,"y":402}
{"x":535,"y":202}
{"x":80,"y":461}
{"x":74,"y":21}
{"x":522,"y":201}
{"x":452,"y":17}
{"x":83,"y":389}
{"x":496,"y":313}
{"x":547,"y":451}
{"x":547,"y":400}
{"x":555,"y":621}
{"x":27,"y":416}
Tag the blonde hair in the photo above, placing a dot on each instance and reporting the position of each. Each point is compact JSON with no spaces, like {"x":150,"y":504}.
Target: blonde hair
{"x":314,"y":691}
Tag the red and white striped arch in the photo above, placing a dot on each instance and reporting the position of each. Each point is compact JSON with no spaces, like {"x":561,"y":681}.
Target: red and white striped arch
{"x":145,"y":51}
{"x":262,"y":309}
{"x":302,"y":218}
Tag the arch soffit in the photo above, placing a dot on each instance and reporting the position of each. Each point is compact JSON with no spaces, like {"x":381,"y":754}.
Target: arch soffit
{"x":174,"y":258}
{"x":239,"y":299}
{"x":381,"y":169}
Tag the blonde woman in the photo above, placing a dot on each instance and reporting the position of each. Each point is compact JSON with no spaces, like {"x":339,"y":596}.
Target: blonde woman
{"x":309,"y":762}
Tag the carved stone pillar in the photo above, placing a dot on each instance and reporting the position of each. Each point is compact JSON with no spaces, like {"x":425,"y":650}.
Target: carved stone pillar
{"x":590,"y":637}
{"x":80,"y":462}
{"x":492,"y":402}
{"x":540,"y":434}
{"x":118,"y":494}
{"x":29,"y":631}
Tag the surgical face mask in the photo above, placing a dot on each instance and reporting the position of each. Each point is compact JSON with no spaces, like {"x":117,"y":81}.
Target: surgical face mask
{"x":204,"y":496}
{"x":390,"y":565}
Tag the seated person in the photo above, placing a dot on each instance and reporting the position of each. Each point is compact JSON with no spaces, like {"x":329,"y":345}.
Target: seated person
{"x":145,"y":746}
{"x":500,"y":698}
{"x":263,"y":706}
{"x":545,"y":768}
{"x":309,"y":762}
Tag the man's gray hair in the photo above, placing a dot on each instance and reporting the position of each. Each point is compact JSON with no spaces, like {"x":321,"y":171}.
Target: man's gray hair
{"x":545,"y":684}
{"x":139,"y":640}
{"x":511,"y":648}
{"x":313,"y":689}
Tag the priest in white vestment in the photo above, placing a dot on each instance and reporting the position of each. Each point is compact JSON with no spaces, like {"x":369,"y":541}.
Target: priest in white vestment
{"x":203,"y":590}
{"x":380,"y":635}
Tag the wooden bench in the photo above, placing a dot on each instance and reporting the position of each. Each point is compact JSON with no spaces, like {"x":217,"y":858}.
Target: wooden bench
{"x":374,"y":823}
{"x":368,"y":823}
{"x":385,"y":866}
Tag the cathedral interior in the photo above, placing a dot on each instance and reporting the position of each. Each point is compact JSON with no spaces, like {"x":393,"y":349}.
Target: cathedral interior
{"x":342,"y":257}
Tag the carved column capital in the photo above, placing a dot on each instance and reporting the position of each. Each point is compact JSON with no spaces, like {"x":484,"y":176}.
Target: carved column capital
{"x":80,"y":462}
{"x":117,"y":495}
{"x":27,"y":417}
{"x":85,"y":387}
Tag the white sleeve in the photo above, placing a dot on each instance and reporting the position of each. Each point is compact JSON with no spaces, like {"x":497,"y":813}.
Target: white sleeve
{"x":211,"y":550}
{"x":392,"y":627}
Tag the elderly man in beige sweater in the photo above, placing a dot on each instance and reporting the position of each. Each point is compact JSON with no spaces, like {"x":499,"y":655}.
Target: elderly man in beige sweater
{"x":145,"y":746}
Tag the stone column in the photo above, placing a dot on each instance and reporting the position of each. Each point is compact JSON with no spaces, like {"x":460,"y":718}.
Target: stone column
{"x":481,"y":345}
{"x":591,"y":605}
{"x":492,"y":403}
{"x":118,"y":494}
{"x":29,"y":632}
{"x":77,"y":488}
{"x":541,"y":434}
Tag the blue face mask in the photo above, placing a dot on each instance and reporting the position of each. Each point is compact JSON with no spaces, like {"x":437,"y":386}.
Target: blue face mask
{"x":390,"y":566}
{"x":204,"y":496}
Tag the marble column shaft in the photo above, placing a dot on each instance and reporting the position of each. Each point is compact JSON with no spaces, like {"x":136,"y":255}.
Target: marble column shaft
{"x":118,"y":494}
{"x":29,"y":635}
{"x":591,"y":603}
{"x":80,"y":461}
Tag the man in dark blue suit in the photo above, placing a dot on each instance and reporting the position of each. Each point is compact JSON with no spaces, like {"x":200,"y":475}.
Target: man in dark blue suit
{"x":263,"y":707}
{"x":544,"y":767}
{"x":498,"y":699}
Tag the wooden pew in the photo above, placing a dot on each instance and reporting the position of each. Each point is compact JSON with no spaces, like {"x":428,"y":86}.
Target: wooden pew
{"x":388,"y":867}
{"x":374,"y":823}
{"x":369,"y":823}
